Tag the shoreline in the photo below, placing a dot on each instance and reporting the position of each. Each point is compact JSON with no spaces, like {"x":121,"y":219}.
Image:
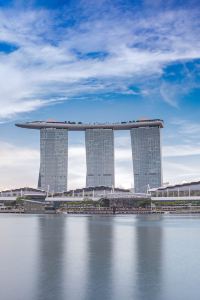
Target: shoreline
{"x":106,"y":213}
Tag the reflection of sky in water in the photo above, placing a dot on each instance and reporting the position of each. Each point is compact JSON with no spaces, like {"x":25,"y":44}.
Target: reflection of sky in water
{"x":95,"y":257}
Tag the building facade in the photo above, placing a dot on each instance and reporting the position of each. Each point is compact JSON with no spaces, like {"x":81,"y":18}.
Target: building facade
{"x":146,"y":153}
{"x":186,"y":189}
{"x":99,"y":141}
{"x":99,"y":157}
{"x":53,"y":160}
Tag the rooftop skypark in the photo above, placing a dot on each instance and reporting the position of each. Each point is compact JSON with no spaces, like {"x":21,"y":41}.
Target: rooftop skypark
{"x":79,"y":126}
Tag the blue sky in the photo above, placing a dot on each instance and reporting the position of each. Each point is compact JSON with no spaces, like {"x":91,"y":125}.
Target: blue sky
{"x":108,"y":61}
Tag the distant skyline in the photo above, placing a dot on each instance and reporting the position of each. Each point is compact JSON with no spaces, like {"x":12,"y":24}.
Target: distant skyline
{"x":104,"y":62}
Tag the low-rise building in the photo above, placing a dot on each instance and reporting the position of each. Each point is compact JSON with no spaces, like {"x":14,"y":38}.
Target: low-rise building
{"x":184,"y":191}
{"x":92,"y":192}
{"x":24,"y":192}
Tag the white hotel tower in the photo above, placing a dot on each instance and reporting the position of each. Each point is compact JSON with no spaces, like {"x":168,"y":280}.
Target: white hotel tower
{"x":99,"y":140}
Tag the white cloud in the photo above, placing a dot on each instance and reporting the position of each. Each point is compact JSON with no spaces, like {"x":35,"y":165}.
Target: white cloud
{"x":188,"y":128}
{"x":50,"y":65}
{"x":24,"y":155}
{"x":181,"y":150}
{"x":177,"y":172}
{"x":19,"y":166}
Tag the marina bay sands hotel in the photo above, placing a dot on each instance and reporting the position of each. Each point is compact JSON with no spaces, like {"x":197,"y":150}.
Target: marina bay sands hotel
{"x":99,"y":142}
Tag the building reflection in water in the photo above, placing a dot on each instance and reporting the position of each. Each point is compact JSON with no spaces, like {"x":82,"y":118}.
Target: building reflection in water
{"x":124,"y":258}
{"x":76,"y":258}
{"x":96,"y":257}
{"x":100,"y":239}
{"x":51,"y":257}
{"x":149,"y":257}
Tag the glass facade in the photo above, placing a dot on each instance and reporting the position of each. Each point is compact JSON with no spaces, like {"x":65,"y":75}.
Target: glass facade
{"x":146,"y":152}
{"x":99,"y":157}
{"x":53,"y":159}
{"x":180,"y":190}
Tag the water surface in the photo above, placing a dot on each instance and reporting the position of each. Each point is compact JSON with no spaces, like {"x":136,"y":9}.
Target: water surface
{"x":51,"y":257}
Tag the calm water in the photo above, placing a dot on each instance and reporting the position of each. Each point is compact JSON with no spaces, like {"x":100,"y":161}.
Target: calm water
{"x":95,"y":257}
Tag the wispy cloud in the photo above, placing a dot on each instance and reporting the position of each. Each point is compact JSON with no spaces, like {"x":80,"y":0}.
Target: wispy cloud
{"x":19,"y":172}
{"x":55,"y":58}
{"x":181,"y":150}
{"x":177,"y":172}
{"x":187,"y":127}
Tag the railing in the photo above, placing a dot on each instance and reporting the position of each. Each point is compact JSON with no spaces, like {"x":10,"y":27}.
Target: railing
{"x":181,"y":198}
{"x":70,"y":199}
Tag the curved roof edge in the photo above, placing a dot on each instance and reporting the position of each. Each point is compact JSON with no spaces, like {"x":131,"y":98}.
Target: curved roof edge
{"x":73,"y":126}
